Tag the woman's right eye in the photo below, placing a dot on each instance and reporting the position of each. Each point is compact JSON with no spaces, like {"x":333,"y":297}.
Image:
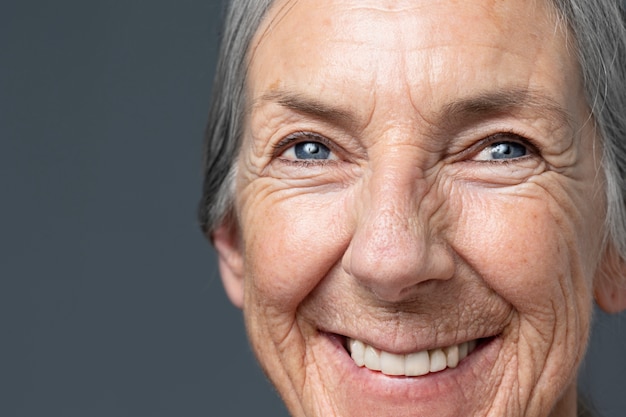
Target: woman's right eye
{"x":311,"y":150}
{"x":306,"y":150}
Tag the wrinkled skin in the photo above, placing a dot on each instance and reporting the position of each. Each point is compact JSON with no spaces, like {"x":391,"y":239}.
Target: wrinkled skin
{"x":408,"y":234}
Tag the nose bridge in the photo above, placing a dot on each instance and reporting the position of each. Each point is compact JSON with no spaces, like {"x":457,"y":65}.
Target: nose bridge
{"x":392,"y":249}
{"x":390,"y":221}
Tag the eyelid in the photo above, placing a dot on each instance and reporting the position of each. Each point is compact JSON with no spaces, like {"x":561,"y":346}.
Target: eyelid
{"x":300,"y":136}
{"x":504,"y":136}
{"x":475,"y":149}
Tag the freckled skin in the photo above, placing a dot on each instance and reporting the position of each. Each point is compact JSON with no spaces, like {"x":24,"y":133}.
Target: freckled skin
{"x":408,"y":240}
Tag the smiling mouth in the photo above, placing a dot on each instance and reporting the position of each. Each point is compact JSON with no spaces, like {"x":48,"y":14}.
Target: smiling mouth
{"x":412,"y":364}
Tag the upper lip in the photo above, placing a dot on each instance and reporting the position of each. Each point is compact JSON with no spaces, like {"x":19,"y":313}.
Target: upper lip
{"x":413,"y":350}
{"x":409,"y":345}
{"x":411,"y":333}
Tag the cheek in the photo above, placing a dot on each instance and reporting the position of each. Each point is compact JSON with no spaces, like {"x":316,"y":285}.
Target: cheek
{"x":533,"y":261}
{"x":292,"y":242}
{"x":526,"y":249}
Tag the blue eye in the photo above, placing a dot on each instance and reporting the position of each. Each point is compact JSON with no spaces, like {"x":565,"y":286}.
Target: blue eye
{"x":311,"y":150}
{"x":508,"y":150}
{"x":305,"y":147}
{"x":502,"y":150}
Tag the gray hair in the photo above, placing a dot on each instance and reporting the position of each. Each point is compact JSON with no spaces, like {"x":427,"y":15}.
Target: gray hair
{"x":599,"y":29}
{"x":227,"y":112}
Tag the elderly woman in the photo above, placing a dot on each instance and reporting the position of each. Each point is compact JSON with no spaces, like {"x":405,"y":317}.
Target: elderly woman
{"x":416,"y":202}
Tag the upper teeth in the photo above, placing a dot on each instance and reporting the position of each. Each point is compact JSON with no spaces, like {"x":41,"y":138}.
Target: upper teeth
{"x":412,"y":364}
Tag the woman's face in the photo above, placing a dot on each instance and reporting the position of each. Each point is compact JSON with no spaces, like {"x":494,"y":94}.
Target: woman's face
{"x":419,"y":188}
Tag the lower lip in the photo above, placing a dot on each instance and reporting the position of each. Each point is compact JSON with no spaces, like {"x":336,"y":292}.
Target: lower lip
{"x":451,"y":383}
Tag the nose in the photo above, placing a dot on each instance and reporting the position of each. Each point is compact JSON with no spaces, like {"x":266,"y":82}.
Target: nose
{"x":395,"y":245}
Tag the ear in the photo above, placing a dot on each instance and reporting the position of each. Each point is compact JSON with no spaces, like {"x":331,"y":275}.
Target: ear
{"x":230,"y":260}
{"x":610,"y":284}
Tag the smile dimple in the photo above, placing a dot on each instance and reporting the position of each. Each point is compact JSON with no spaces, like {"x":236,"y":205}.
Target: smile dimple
{"x":412,"y":364}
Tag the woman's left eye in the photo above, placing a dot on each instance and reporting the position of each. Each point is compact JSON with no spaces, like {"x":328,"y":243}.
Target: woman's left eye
{"x":504,"y":150}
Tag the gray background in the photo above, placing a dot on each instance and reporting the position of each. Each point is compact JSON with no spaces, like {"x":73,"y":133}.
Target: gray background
{"x":110,"y":304}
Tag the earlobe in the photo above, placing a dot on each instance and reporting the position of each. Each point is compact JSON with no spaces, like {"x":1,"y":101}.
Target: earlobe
{"x":225,"y":239}
{"x":610,"y":284}
{"x":611,"y":296}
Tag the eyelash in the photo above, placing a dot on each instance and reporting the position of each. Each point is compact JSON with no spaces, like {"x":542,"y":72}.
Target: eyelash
{"x":500,"y":137}
{"x":301,"y":136}
{"x":467,"y":154}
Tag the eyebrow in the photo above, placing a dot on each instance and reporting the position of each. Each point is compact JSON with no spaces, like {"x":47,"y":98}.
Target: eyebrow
{"x":476,"y":107}
{"x":309,"y":106}
{"x":505,"y":101}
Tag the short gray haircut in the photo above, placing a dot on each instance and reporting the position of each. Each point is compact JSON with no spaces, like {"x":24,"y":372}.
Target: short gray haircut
{"x":227,"y":111}
{"x":599,"y":39}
